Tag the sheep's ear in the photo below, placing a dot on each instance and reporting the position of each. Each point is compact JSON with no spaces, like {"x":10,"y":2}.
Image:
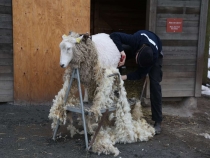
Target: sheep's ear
{"x":79,"y":39}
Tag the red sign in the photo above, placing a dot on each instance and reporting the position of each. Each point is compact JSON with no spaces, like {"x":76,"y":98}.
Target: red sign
{"x":174,"y":25}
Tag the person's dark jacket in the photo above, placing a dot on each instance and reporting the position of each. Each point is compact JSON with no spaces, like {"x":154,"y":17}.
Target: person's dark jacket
{"x":135,"y":41}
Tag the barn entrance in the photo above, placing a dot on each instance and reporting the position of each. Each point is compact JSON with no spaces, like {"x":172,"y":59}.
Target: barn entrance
{"x":119,"y":15}
{"x":109,"y":16}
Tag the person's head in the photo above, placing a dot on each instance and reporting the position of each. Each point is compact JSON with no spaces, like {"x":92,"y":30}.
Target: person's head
{"x":144,"y":58}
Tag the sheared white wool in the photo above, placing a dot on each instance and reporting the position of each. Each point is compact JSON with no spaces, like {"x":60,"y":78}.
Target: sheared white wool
{"x":121,"y":126}
{"x":108,"y":54}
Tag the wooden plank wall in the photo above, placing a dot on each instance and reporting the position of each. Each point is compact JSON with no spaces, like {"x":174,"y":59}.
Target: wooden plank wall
{"x":180,"y":49}
{"x":6,"y":51}
{"x":37,"y":29}
{"x":109,"y":16}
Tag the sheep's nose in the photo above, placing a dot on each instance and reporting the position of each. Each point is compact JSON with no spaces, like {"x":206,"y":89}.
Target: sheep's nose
{"x":62,"y":65}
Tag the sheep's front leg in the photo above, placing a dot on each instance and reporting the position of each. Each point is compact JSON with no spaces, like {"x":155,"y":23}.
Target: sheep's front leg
{"x":86,"y":96}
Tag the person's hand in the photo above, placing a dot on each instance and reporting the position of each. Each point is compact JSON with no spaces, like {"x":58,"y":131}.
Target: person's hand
{"x":124,"y":77}
{"x":122,"y":59}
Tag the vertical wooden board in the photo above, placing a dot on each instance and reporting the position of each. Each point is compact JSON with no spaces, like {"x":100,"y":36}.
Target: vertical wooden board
{"x":152,"y":27}
{"x":152,"y":15}
{"x":201,"y":45}
{"x":38,"y":27}
{"x":21,"y":50}
{"x":206,"y":50}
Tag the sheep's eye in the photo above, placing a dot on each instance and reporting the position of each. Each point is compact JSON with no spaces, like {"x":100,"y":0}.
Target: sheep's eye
{"x":68,"y":48}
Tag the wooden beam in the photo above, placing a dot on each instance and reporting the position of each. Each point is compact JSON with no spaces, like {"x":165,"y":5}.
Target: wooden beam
{"x":201,"y":44}
{"x":152,"y":27}
{"x":6,"y":3}
{"x":191,"y":17}
{"x":175,"y":62}
{"x":206,"y":51}
{"x":162,"y":29}
{"x":187,"y":23}
{"x":178,"y":68}
{"x":179,"y":74}
{"x":6,"y":77}
{"x":178,"y":81}
{"x":178,"y":93}
{"x":186,"y":52}
{"x":6,"y":69}
{"x":152,"y":15}
{"x":6,"y":98}
{"x":181,"y":43}
{"x":178,"y":3}
{"x":178,"y":10}
{"x":178,"y":36}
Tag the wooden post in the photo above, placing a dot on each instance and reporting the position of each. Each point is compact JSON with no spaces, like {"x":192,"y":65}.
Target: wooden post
{"x":151,"y":24}
{"x":206,"y":50}
{"x":201,"y":44}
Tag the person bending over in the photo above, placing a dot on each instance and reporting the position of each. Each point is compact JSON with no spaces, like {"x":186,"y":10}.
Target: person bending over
{"x":146,"y":48}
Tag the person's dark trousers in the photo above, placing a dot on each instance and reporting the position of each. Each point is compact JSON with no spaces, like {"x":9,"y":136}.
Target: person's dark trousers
{"x":155,"y":76}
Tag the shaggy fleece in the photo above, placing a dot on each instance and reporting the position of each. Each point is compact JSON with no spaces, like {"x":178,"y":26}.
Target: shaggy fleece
{"x":129,"y":125}
{"x":123,"y":125}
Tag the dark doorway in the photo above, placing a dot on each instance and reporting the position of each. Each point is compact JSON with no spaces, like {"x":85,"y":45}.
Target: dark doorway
{"x":118,"y":15}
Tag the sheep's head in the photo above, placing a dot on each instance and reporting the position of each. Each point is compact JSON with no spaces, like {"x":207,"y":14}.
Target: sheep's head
{"x":66,"y":49}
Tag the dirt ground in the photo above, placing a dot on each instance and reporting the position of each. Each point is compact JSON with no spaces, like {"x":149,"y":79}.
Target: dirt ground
{"x":25,"y":132}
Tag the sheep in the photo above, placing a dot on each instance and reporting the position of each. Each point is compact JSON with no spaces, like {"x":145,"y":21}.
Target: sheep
{"x":108,"y":54}
{"x":96,"y":59}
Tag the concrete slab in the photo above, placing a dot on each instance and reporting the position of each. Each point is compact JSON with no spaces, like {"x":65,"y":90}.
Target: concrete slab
{"x":184,"y":108}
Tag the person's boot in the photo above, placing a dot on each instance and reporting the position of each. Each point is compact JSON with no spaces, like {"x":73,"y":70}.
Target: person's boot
{"x":157,"y":127}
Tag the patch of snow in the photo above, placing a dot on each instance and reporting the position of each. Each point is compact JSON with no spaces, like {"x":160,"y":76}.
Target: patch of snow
{"x":209,"y":63}
{"x":209,"y":48}
{"x":206,"y":135}
{"x":209,"y":74}
{"x":205,"y":90}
